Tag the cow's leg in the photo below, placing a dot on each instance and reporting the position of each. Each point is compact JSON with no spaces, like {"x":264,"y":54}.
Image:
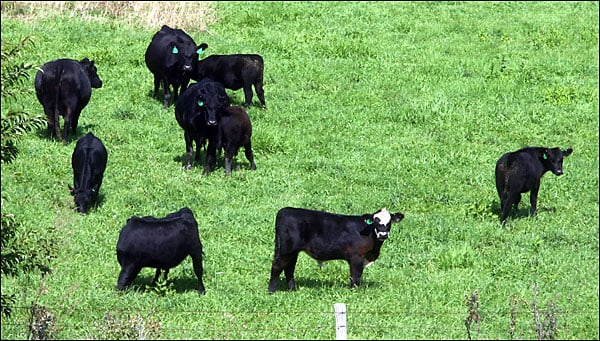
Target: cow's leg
{"x":279,"y":264}
{"x":356,"y":264}
{"x":211,"y":156}
{"x":75,"y":122}
{"x":533,"y":197}
{"x":289,"y":272}
{"x":276,"y":269}
{"x":199,"y":144}
{"x":506,"y":205}
{"x":184,"y":85}
{"x":516,"y":201}
{"x":189,"y":150}
{"x":51,"y":122}
{"x":167,"y":97}
{"x":198,"y":270}
{"x":230,"y":153}
{"x":156,"y":85}
{"x":250,"y":155}
{"x":248,"y":95}
{"x":156,"y":276}
{"x":127,"y":275}
{"x":67,"y":125}
{"x":258,"y":86}
{"x":175,"y":93}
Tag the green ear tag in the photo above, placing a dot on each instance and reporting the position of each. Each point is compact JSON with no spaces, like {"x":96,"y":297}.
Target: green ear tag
{"x":545,"y":156}
{"x":199,"y":51}
{"x":369,"y":221}
{"x":200,"y":103}
{"x":175,"y":50}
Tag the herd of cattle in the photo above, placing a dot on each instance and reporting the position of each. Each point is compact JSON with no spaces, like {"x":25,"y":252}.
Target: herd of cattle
{"x":204,"y":112}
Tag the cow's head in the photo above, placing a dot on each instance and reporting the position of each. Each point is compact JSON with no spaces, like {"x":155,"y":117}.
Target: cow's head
{"x":211,"y":99}
{"x":184,"y":54}
{"x":381,"y":222}
{"x":552,"y":159}
{"x":90,"y":68}
{"x":83,"y":198}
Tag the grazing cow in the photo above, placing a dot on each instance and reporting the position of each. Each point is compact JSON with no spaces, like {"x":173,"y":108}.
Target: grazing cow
{"x":198,"y":112}
{"x":171,"y":57}
{"x":64,"y":88}
{"x":521,"y":171}
{"x":235,"y":71}
{"x":161,"y":243}
{"x":89,"y":163}
{"x":327,"y":236}
{"x":236,"y":131}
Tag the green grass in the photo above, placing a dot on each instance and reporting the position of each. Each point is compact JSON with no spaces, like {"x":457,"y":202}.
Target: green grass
{"x":404,"y":105}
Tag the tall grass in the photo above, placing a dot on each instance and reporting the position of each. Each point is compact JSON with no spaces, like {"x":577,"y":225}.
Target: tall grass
{"x":404,"y":105}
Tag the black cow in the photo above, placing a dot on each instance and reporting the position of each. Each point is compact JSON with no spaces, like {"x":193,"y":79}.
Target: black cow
{"x":64,"y":88}
{"x":172,"y":57}
{"x":521,"y":171}
{"x":161,"y":243}
{"x":89,"y":163}
{"x":327,"y":236}
{"x":236,"y":131}
{"x":198,"y":112}
{"x":235,"y":71}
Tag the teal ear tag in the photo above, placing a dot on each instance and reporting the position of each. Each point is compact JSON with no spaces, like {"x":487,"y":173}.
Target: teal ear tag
{"x":200,"y":103}
{"x":175,"y":50}
{"x":199,"y":51}
{"x":369,"y":221}
{"x":545,"y":156}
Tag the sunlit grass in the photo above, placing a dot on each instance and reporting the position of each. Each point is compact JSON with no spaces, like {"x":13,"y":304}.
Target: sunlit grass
{"x":406,"y":105}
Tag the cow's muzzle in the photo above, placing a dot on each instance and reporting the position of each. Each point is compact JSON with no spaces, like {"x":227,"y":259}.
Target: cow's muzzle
{"x":382,"y":235}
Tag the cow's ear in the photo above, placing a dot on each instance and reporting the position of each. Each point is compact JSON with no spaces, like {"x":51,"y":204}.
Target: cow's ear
{"x":367,"y":218}
{"x":545,"y":154}
{"x":567,"y":152}
{"x":397,"y":217}
{"x":225,"y":101}
{"x":85,"y":60}
{"x":71,"y":189}
{"x":200,"y":48}
{"x":172,"y":57}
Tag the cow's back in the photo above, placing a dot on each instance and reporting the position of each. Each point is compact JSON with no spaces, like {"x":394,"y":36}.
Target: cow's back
{"x":232,"y":70}
{"x":159,"y":242}
{"x":91,"y":151}
{"x":304,"y":224}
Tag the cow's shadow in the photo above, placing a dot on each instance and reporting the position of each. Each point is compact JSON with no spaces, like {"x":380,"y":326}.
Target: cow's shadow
{"x":322,"y":283}
{"x":179,"y":284}
{"x":236,"y":162}
{"x":96,"y":206}
{"x":159,"y":96}
{"x":524,"y":210}
{"x":82,"y":129}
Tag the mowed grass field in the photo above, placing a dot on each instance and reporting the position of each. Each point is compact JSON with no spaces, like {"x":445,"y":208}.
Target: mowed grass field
{"x":403,"y":105}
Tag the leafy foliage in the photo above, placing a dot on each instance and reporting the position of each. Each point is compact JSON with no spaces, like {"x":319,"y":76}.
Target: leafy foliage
{"x":20,"y":253}
{"x":15,"y":76}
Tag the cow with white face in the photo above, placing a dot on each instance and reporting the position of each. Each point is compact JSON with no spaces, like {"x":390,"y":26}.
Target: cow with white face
{"x":327,"y":236}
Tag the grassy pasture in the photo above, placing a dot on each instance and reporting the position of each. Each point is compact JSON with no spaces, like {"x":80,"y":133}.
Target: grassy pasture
{"x":404,"y":105}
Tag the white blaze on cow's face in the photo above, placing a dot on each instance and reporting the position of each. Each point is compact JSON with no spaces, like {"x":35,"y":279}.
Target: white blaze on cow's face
{"x":382,"y":219}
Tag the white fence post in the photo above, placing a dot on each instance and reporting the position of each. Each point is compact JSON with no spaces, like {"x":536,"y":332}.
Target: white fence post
{"x":340,"y":321}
